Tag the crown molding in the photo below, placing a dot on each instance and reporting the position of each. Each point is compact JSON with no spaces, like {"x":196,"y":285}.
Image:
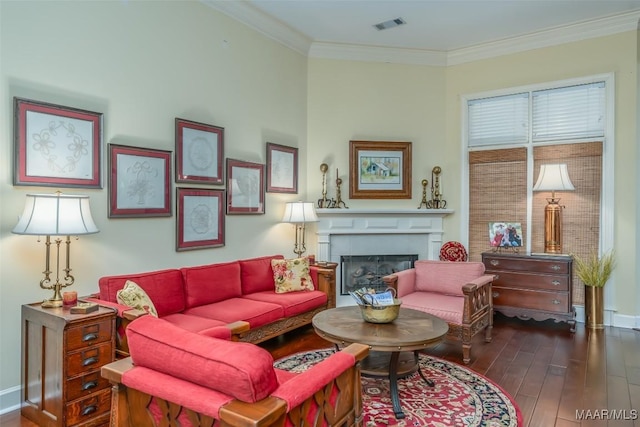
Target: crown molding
{"x":274,"y":29}
{"x":261,"y":22}
{"x":547,"y":38}
{"x":377,"y":54}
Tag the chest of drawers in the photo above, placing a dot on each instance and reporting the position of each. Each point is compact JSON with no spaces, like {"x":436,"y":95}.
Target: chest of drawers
{"x":62,"y":356}
{"x":535,"y":287}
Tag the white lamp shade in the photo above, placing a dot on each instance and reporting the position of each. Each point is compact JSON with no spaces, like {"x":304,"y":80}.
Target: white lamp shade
{"x":56,"y":215}
{"x":299,"y":212}
{"x":553,"y":177}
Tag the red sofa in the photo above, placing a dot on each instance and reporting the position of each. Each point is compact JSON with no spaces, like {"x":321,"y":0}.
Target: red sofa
{"x":225,"y":300}
{"x":175,"y":377}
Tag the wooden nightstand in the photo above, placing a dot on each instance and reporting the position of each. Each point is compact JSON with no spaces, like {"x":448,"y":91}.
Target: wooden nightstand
{"x":535,"y":287}
{"x":61,"y":361}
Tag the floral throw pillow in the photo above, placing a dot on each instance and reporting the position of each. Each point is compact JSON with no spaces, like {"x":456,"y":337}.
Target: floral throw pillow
{"x":134,"y":296}
{"x":291,"y":275}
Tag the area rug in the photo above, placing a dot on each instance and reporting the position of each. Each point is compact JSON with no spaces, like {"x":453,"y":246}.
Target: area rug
{"x":460,"y":396}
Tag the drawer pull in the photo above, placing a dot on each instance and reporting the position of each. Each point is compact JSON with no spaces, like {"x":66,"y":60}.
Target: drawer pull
{"x":496,"y":277}
{"x":555,"y":301}
{"x":89,"y":337}
{"x":555,"y":267}
{"x":494,"y":262}
{"x":496,"y":294}
{"x":555,"y":283}
{"x":89,"y":385}
{"x":89,"y":361}
{"x":89,"y":410}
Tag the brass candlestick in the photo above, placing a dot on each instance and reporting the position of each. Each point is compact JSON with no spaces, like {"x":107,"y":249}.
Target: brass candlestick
{"x":436,"y":202}
{"x":324,"y":202}
{"x":424,"y":194}
{"x":339,"y":203}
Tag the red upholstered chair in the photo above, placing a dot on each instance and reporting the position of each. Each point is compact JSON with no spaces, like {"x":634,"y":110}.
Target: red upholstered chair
{"x":176,"y":377}
{"x":453,"y":251}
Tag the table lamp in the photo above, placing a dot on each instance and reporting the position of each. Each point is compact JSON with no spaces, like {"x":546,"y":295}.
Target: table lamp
{"x":553,"y":177}
{"x":56,"y":215}
{"x":299,"y":213}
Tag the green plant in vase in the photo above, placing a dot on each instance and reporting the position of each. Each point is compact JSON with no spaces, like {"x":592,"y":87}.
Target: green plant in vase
{"x":594,"y":271}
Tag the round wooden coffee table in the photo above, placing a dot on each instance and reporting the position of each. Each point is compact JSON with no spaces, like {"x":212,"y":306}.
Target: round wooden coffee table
{"x":394,"y":346}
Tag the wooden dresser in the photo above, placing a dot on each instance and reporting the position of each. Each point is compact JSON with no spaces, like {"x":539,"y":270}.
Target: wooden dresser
{"x":61,"y":361}
{"x":535,"y":287}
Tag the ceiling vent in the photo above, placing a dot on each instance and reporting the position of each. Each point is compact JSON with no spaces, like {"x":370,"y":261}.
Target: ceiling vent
{"x":390,"y":24}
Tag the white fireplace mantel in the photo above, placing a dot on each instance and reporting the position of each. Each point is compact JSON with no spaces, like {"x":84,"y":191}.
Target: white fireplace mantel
{"x":381,"y":221}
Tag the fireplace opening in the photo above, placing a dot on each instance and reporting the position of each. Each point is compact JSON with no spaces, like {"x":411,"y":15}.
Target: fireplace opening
{"x":368,"y":270}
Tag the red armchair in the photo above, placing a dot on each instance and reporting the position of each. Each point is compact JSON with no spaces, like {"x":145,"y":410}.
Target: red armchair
{"x":176,"y":377}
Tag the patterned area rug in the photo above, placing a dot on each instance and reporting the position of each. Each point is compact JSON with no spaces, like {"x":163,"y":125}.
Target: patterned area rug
{"x":460,"y":397}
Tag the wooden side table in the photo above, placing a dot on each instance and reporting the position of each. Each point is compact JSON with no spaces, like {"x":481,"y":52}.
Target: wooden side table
{"x":62,"y":356}
{"x":531,"y":286}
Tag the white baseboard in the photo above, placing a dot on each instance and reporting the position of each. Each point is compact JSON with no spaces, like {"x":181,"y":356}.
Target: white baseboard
{"x":10,"y":399}
{"x":611,"y":318}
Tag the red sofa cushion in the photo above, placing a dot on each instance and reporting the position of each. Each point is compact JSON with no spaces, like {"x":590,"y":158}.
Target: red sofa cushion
{"x":257,"y":313}
{"x":242,"y":370}
{"x":446,"y":277}
{"x":194,"y":323}
{"x":257,"y":274}
{"x":206,"y":284}
{"x":293,"y":303}
{"x":164,"y":287}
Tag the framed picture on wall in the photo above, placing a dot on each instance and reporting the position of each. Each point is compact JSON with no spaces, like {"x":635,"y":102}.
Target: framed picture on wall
{"x":139,"y":182}
{"x":200,"y":218}
{"x":56,"y":145}
{"x":245,"y":187}
{"x":282,"y":168}
{"x":199,"y":152}
{"x":379,"y":170}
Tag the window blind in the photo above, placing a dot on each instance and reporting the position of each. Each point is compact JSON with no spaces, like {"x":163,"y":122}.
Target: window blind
{"x":498,"y":120}
{"x":572,"y":112}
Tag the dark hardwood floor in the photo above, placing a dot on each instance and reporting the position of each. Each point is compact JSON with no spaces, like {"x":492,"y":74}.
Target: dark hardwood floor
{"x":555,"y":376}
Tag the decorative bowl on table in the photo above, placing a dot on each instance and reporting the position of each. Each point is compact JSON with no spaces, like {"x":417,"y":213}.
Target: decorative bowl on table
{"x":381,"y":313}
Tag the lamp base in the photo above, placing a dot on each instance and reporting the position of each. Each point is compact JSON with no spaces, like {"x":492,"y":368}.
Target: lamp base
{"x":51,"y":303}
{"x":553,"y":227}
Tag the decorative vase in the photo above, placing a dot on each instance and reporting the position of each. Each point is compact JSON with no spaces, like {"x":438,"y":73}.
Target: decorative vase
{"x":594,"y":306}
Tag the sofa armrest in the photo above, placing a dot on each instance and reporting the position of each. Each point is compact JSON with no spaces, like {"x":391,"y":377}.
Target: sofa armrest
{"x":289,"y":401}
{"x":478,"y":298}
{"x":404,"y":282}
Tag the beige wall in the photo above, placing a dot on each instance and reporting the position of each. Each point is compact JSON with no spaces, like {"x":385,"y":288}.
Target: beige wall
{"x":142,"y":64}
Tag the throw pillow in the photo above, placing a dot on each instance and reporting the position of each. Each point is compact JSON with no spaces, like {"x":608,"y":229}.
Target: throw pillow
{"x":291,"y":275}
{"x":134,"y":296}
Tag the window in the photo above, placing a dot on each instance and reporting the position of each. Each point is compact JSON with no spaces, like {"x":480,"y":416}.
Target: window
{"x":509,"y":136}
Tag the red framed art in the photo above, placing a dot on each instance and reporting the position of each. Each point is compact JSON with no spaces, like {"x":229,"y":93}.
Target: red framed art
{"x":245,"y":187}
{"x":139,"y":182}
{"x":282,"y":168}
{"x":200,"y":218}
{"x":199,"y":152}
{"x":56,"y":145}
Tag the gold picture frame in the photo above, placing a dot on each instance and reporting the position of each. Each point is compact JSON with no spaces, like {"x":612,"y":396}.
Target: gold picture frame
{"x":379,"y":170}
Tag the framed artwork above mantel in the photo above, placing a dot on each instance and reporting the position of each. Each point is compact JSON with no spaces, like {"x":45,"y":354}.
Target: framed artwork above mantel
{"x":379,"y":170}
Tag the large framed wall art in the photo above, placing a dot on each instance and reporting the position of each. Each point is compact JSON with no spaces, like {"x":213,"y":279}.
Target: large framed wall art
{"x":56,"y":145}
{"x":199,"y":152}
{"x":245,"y":187}
{"x":200,"y":218}
{"x":379,"y":170}
{"x":139,"y":182}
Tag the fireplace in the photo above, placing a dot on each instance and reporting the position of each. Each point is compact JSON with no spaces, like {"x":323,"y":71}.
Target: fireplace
{"x":371,"y":232}
{"x":368,"y":270}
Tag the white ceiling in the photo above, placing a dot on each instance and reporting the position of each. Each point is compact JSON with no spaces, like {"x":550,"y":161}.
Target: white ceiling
{"x":437,"y":31}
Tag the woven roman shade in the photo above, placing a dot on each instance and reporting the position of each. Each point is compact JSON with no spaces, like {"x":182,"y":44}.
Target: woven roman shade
{"x":581,"y":214}
{"x":497,"y":192}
